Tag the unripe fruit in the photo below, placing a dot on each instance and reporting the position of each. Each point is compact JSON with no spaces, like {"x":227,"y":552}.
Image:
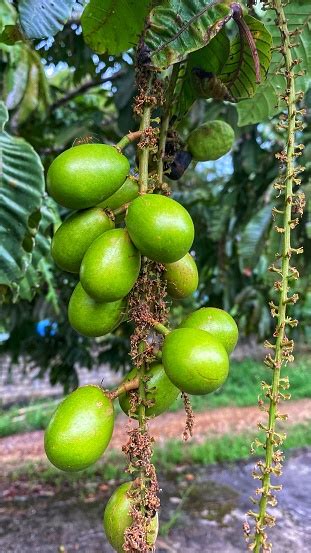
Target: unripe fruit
{"x":80,"y":429}
{"x":160,"y":227}
{"x":117,"y":519}
{"x":110,"y":266}
{"x":76,"y":234}
{"x":194,"y":360}
{"x":126,"y":193}
{"x":160,"y":390}
{"x":85,"y":175}
{"x":91,"y":318}
{"x":217,"y":322}
{"x":182,"y":277}
{"x":211,"y":140}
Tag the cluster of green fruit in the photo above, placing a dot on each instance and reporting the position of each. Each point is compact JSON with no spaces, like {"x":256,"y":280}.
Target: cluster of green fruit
{"x":194,"y":360}
{"x":92,"y":178}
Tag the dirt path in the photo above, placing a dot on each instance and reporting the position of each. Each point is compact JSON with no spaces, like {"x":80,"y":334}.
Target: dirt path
{"x":22,"y":448}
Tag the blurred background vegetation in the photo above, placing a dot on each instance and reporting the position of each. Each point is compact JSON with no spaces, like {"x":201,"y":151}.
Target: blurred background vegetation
{"x":57,"y":92}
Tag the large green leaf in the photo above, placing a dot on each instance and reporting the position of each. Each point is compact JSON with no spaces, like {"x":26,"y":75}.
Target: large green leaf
{"x":252,"y":237}
{"x":178,"y":28}
{"x":207,"y":60}
{"x":113,"y":26}
{"x":42,"y":19}
{"x":266,"y":102}
{"x":239,"y":73}
{"x":21,"y":193}
{"x":16,"y":76}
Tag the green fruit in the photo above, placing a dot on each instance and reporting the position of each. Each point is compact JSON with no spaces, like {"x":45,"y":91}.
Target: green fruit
{"x":161,"y":391}
{"x":76,"y":234}
{"x":85,"y":175}
{"x":110,"y":266}
{"x":117,"y":518}
{"x":195,"y":361}
{"x":128,"y":192}
{"x":217,"y":322}
{"x":160,"y":227}
{"x":182,"y":277}
{"x":91,"y":318}
{"x":211,"y":141}
{"x":80,"y":429}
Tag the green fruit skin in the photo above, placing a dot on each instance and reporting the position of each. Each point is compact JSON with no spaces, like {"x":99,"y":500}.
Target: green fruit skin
{"x":217,"y":322}
{"x":76,"y":234}
{"x":117,"y":519}
{"x":162,"y":391}
{"x":91,"y":318}
{"x":211,"y":140}
{"x":87,"y":174}
{"x":160,"y":227}
{"x":182,"y":277}
{"x":128,"y":192}
{"x":80,"y":429}
{"x":195,"y":361}
{"x":110,"y":266}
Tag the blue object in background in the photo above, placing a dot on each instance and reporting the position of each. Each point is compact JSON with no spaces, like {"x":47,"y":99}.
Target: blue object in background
{"x":46,"y":327}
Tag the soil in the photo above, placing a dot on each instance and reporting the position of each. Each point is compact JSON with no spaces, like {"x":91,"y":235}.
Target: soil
{"x":202,"y":512}
{"x":27,"y":447}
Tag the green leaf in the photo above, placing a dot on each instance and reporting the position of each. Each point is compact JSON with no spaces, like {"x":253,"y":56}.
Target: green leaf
{"x":40,"y":269}
{"x":16,"y":76}
{"x":266,"y":102}
{"x":239,"y":73}
{"x":10,"y":35}
{"x":252,"y":237}
{"x":7,"y":14}
{"x":42,"y":19}
{"x":113,"y":26}
{"x":178,"y":28}
{"x":207,"y":60}
{"x":21,"y":193}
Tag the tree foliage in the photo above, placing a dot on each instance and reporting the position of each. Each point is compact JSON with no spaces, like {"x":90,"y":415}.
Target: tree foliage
{"x":58,"y":91}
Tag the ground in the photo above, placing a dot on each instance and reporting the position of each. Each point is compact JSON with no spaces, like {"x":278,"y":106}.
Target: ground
{"x":203,"y":508}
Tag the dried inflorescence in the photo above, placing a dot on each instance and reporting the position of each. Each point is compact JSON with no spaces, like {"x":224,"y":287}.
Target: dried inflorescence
{"x":288,"y":218}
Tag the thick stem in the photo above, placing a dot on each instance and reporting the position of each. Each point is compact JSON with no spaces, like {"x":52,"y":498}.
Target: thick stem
{"x":166,"y":119}
{"x":285,"y":275}
{"x":144,"y":152}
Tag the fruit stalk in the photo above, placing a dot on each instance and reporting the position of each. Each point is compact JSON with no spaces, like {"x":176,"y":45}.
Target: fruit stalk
{"x":282,"y":347}
{"x":127,"y":139}
{"x":124,"y":387}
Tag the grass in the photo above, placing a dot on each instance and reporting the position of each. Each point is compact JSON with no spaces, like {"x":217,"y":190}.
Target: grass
{"x":241,"y":389}
{"x":226,"y":448}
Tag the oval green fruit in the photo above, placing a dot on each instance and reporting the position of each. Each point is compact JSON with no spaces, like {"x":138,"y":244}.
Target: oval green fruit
{"x":182,"y":277}
{"x":110,"y":266}
{"x":80,"y":429}
{"x":76,"y":234}
{"x":217,"y":322}
{"x":211,"y":140}
{"x":91,"y":318}
{"x":160,"y":390}
{"x":117,"y":518}
{"x":125,"y":194}
{"x":160,"y":227}
{"x":194,"y":360}
{"x":85,"y":175}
